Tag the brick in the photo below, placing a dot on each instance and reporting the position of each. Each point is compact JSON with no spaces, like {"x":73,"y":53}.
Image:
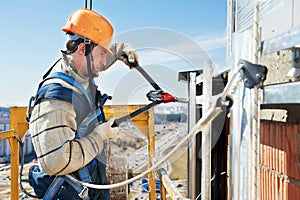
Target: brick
{"x":285,"y":190}
{"x":270,"y":185}
{"x":290,"y":154}
{"x":268,"y":148}
{"x":284,"y":149}
{"x":281,"y":184}
{"x":278,"y":148}
{"x":296,"y":144}
{"x":261,"y":145}
{"x":272,"y":149}
{"x":263,"y":185}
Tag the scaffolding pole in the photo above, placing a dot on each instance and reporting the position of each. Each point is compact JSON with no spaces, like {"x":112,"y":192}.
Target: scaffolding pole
{"x":192,"y":141}
{"x":206,"y":140}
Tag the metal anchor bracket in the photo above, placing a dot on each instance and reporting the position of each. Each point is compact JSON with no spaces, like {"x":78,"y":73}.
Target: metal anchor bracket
{"x":254,"y":74}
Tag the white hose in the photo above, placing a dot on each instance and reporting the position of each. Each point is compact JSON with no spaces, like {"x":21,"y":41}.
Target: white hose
{"x":211,"y":114}
{"x":199,"y":126}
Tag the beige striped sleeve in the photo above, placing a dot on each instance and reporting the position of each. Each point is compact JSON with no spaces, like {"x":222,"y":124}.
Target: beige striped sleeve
{"x":52,"y":128}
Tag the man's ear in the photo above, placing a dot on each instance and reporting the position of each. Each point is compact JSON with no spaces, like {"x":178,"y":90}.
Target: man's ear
{"x":81,"y":49}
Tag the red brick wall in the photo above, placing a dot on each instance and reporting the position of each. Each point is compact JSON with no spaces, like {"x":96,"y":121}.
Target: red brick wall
{"x":279,"y":160}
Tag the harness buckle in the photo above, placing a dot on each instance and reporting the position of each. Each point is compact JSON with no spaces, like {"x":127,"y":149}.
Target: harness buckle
{"x":84,"y":192}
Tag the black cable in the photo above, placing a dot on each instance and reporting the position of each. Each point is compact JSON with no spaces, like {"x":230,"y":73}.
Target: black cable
{"x":21,"y":171}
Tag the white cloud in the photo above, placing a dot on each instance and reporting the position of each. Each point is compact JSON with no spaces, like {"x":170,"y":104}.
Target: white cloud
{"x":212,"y":41}
{"x":212,"y":45}
{"x":187,"y":52}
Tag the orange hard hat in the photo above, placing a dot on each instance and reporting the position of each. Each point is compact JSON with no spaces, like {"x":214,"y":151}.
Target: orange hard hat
{"x":92,"y":26}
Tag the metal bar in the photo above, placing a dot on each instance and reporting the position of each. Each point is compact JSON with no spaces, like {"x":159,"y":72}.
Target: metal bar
{"x":18,"y":127}
{"x":151,"y":155}
{"x":14,"y":162}
{"x":192,"y":140}
{"x":285,"y":40}
{"x":229,"y":51}
{"x":281,"y":93}
{"x":206,"y":139}
{"x":230,"y":27}
{"x":147,"y":77}
{"x":7,"y":134}
{"x":135,"y":113}
{"x":14,"y":168}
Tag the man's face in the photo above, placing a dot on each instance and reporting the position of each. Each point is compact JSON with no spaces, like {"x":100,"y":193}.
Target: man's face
{"x":97,"y":62}
{"x":99,"y":57}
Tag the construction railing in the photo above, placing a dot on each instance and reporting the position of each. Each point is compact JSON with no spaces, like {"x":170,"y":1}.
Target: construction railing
{"x":167,"y":186}
{"x":19,"y":126}
{"x":145,"y":122}
{"x":250,"y":73}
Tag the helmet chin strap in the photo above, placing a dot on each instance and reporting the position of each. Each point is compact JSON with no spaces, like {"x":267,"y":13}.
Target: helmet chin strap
{"x":89,"y":59}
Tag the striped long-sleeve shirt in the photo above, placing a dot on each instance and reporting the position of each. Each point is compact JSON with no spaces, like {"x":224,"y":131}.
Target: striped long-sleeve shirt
{"x":53,"y":126}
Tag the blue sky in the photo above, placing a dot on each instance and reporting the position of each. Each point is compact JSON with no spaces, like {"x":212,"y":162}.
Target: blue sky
{"x":32,"y":39}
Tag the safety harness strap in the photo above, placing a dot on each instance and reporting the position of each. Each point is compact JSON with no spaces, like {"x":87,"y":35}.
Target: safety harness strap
{"x":71,"y":81}
{"x":57,"y":91}
{"x":54,"y":187}
{"x":56,"y":184}
{"x":82,"y":191}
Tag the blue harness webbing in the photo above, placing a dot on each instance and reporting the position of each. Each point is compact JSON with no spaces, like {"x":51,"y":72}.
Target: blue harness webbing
{"x":71,"y":81}
{"x":83,"y":172}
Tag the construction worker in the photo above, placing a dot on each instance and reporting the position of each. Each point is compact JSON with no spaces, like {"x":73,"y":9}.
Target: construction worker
{"x":67,"y":122}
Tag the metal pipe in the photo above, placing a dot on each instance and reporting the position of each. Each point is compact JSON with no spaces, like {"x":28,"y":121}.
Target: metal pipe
{"x":206,"y":136}
{"x":192,"y":141}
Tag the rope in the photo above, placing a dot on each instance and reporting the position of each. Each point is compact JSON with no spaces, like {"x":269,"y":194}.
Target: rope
{"x":255,"y":121}
{"x":199,"y":126}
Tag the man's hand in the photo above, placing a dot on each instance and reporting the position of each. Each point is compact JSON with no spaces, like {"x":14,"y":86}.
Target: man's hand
{"x":127,"y":55}
{"x":106,"y":131}
{"x":123,"y":52}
